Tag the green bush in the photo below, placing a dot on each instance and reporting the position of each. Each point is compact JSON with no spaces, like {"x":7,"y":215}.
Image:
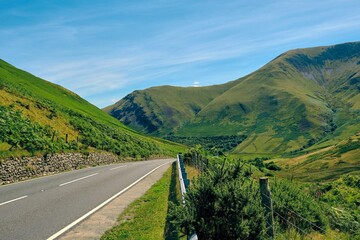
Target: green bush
{"x":223,"y":203}
{"x":352,"y":181}
{"x":215,"y":144}
{"x":20,"y":132}
{"x":101,"y":136}
{"x":259,"y":163}
{"x":343,"y":197}
{"x":344,"y":221}
{"x":295,"y":207}
{"x":272,"y":166}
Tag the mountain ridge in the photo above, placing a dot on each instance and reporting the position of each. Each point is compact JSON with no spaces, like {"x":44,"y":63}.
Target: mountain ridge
{"x":298,"y":99}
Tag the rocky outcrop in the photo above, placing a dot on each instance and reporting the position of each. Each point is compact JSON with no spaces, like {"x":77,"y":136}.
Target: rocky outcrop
{"x":15,"y":169}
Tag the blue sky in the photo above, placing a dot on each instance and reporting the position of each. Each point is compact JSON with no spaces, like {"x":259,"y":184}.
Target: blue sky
{"x":103,"y":50}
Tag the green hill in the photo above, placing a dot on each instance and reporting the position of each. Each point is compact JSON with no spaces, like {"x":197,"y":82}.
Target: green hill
{"x":304,"y":98}
{"x":37,"y":116}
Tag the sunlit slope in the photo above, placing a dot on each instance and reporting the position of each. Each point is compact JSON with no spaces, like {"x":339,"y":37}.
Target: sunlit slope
{"x":162,"y":110}
{"x":325,"y":164}
{"x":303,"y":98}
{"x":24,"y":83}
{"x":32,"y":108}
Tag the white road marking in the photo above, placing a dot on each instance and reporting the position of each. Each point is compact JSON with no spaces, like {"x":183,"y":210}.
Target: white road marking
{"x":117,"y":167}
{"x":101,"y":205}
{"x":63,"y":184}
{"x":13,"y":200}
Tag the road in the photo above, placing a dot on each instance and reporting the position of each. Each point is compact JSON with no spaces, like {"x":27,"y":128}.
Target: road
{"x":41,"y":207}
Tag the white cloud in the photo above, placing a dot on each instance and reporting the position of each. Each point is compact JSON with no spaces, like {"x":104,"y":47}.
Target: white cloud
{"x":196,"y":84}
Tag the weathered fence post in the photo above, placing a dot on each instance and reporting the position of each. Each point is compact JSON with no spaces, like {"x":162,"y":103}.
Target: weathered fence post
{"x":267,"y":203}
{"x":66,"y":138}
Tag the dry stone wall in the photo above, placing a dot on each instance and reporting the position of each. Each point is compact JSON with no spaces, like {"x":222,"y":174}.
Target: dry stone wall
{"x":16,"y":169}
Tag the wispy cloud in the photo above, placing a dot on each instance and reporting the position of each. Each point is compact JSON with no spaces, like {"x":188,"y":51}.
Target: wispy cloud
{"x":110,"y":46}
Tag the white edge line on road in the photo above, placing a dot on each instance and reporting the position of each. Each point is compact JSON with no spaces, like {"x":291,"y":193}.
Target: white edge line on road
{"x":63,"y":184}
{"x":101,"y":205}
{"x":117,"y":167}
{"x":13,"y":200}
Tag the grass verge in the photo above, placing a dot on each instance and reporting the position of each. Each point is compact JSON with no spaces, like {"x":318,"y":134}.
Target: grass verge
{"x":146,"y":218}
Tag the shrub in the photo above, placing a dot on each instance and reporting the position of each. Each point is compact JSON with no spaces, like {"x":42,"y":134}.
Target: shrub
{"x":352,"y":181}
{"x":344,"y":198}
{"x":343,"y":221}
{"x":273,"y":166}
{"x":223,"y":203}
{"x":293,"y":206}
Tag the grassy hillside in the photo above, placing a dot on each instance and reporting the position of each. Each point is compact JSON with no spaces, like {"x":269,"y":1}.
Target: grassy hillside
{"x":324,"y":164}
{"x":162,"y":110}
{"x":305,"y":98}
{"x":38,"y":116}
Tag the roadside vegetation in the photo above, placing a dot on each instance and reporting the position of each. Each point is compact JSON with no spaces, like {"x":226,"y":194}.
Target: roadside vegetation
{"x":223,"y":202}
{"x":218,"y":204}
{"x":146,"y":218}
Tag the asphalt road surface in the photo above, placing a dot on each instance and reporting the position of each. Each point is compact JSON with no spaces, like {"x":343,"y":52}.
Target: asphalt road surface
{"x":43,"y":207}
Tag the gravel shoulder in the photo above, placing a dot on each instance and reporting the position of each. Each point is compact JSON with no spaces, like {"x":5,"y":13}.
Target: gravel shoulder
{"x":95,"y":226}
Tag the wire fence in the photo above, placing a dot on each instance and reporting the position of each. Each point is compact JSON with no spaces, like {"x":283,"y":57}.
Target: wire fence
{"x":291,"y":223}
{"x":196,"y":160}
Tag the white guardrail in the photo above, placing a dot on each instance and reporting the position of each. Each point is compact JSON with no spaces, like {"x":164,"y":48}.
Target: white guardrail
{"x":183,"y":191}
{"x":181,"y":179}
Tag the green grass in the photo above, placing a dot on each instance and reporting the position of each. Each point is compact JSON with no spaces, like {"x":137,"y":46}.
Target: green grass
{"x":146,"y":217}
{"x":324,"y":164}
{"x":164,"y":107}
{"x":24,"y":84}
{"x":49,"y":106}
{"x":329,"y":235}
{"x":204,"y":129}
{"x":250,"y":156}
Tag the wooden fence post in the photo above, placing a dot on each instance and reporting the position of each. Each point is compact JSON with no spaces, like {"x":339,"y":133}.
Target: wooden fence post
{"x":267,"y":204}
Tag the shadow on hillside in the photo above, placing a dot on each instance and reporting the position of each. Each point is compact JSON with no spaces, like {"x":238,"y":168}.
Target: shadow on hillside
{"x":170,"y":232}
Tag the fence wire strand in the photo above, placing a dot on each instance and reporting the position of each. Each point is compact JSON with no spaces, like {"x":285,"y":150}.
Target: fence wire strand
{"x":297,"y":214}
{"x":288,"y":221}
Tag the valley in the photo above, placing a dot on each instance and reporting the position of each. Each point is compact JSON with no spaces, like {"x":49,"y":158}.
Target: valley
{"x":302,"y":99}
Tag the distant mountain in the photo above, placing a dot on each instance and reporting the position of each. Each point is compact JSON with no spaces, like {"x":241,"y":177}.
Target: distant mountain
{"x":37,"y":116}
{"x":301,"y":98}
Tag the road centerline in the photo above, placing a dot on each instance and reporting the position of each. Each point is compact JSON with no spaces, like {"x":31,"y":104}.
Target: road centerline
{"x":78,"y":179}
{"x":13,"y":200}
{"x":117,"y":167}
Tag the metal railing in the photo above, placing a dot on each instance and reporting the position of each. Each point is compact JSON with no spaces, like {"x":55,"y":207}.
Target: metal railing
{"x":184,"y":184}
{"x":181,"y":178}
